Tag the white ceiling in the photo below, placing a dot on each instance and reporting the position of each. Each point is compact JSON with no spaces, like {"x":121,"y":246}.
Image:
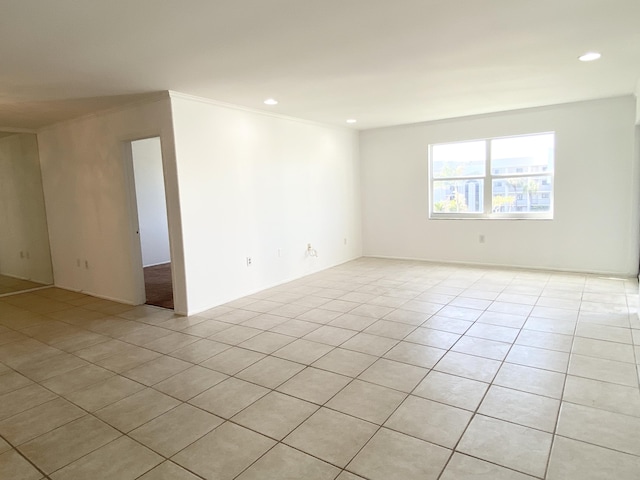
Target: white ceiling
{"x":384,"y":62}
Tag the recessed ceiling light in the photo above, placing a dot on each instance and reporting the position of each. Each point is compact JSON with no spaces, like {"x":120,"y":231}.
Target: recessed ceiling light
{"x":351,"y":120}
{"x":270,"y":101}
{"x":589,"y":57}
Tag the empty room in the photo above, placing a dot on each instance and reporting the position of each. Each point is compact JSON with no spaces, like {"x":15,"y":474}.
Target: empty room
{"x":338,"y":240}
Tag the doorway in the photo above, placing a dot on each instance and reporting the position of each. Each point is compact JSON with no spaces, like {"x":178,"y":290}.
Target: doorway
{"x":152,"y":225}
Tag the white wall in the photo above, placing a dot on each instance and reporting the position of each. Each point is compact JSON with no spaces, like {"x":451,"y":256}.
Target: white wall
{"x":596,"y":192}
{"x":24,"y":241}
{"x":88,"y":200}
{"x":151,"y":202}
{"x":252,"y":184}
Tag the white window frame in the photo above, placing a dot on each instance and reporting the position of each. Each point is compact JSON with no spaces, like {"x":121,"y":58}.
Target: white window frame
{"x":488,"y":186}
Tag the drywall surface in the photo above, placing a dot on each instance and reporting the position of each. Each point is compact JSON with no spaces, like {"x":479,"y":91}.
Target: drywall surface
{"x":151,"y":202}
{"x":596,"y":192}
{"x":259,"y":186}
{"x":88,"y":198}
{"x":24,"y":241}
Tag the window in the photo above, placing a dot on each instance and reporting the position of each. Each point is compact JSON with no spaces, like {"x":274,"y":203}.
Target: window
{"x":508,"y":177}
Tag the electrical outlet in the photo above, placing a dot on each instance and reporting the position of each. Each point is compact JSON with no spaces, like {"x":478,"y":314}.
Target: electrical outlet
{"x":481,"y":238}
{"x":249,"y":261}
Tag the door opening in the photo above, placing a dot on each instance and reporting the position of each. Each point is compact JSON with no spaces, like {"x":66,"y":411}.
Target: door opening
{"x":152,"y":226}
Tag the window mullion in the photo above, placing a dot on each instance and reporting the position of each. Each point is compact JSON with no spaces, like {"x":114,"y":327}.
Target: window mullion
{"x":488,"y":183}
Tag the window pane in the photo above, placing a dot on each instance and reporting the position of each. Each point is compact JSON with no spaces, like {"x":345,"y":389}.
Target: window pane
{"x":521,"y":194}
{"x":528,"y":154}
{"x":454,"y":160}
{"x":458,"y":196}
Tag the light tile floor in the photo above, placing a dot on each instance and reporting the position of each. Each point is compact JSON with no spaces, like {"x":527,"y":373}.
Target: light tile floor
{"x":375,"y":369}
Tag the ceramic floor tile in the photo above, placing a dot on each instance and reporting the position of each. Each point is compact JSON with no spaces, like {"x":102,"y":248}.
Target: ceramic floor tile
{"x":233,"y":360}
{"x":275,"y":415}
{"x":419,"y":306}
{"x":68,"y":443}
{"x":367,"y":401}
{"x":618,"y":352}
{"x":433,"y":338}
{"x":267,"y":342}
{"x":604,"y":332}
{"x":463,"y":467}
{"x":303,"y":351}
{"x":387,"y":329}
{"x":467,"y":302}
{"x":554,"y":313}
{"x":493,"y":332}
{"x":415,"y":354}
{"x":352,"y":322}
{"x":265,"y":321}
{"x":369,"y":344}
{"x":395,"y":456}
{"x":14,"y":466}
{"x":523,"y":408}
{"x":104,"y":393}
{"x":605,"y":370}
{"x":169,"y":471}
{"x":550,"y":341}
{"x":270,"y":372}
{"x":51,"y":367}
{"x":235,"y":335}
{"x":133,"y":460}
{"x":392,"y":374}
{"x":512,"y":446}
{"x":12,"y":381}
{"x":200,"y":351}
{"x":573,"y":459}
{"x":430,"y":421}
{"x":4,"y":446}
{"x":452,"y":390}
{"x":446,"y":324}
{"x":599,"y":427}
{"x":206,"y":328}
{"x":406,"y":316}
{"x":314,"y":385}
{"x":345,"y":362}
{"x":36,"y":421}
{"x":23,"y":399}
{"x":329,"y":335}
{"x":236,"y":448}
{"x":229,"y":397}
{"x":331,"y":436}
{"x":189,"y":383}
{"x":78,"y":379}
{"x":348,"y":476}
{"x":139,"y":408}
{"x":318,"y":315}
{"x":532,"y":380}
{"x":561,"y":327}
{"x":285,"y":463}
{"x":511,"y":308}
{"x":539,"y":358}
{"x":295,"y":328}
{"x":129,"y":359}
{"x":603,"y":395}
{"x":482,"y":347}
{"x":502,"y":319}
{"x":185,"y":423}
{"x":157,"y":370}
{"x":468,"y":366}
